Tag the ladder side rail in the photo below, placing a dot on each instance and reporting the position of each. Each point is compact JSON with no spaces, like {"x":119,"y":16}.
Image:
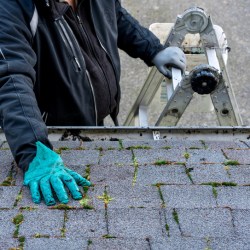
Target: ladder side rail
{"x":177,"y":104}
{"x":228,"y":112}
{"x":146,"y":94}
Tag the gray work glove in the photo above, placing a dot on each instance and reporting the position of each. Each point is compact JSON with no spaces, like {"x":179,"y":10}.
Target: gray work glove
{"x":170,"y":57}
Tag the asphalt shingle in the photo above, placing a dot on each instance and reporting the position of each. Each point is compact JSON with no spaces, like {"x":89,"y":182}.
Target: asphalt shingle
{"x":7,"y":225}
{"x":163,"y":144}
{"x":134,"y":223}
{"x":8,"y":243}
{"x":127,"y":196}
{"x":86,"y":223}
{"x":58,"y":243}
{"x":205,"y":156}
{"x":166,"y":174}
{"x":205,"y":173}
{"x":101,"y":145}
{"x":80,"y":157}
{"x":114,"y":157}
{"x":107,"y":175}
{"x":121,"y":244}
{"x":234,"y":197}
{"x":240,"y":155}
{"x":151,"y":156}
{"x":8,"y":196}
{"x":241,"y":218}
{"x":216,"y":222}
{"x":178,"y":243}
{"x":240,"y":174}
{"x":188,"y":197}
{"x":218,"y":145}
{"x":42,"y":222}
{"x":228,"y":243}
{"x":5,"y":164}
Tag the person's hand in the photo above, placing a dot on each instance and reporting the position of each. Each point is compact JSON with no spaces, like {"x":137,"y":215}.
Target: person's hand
{"x":47,"y":173}
{"x":170,"y":57}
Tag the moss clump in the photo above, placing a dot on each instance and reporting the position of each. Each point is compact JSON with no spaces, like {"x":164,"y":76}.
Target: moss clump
{"x":162,"y":162}
{"x":62,"y":207}
{"x":85,"y":203}
{"x":188,"y":170}
{"x":7,"y":182}
{"x":139,"y":147}
{"x":37,"y":235}
{"x":215,"y":193}
{"x":87,"y":172}
{"x":194,"y":148}
{"x":18,"y":219}
{"x":59,"y":150}
{"x":159,"y":184}
{"x":28,"y":208}
{"x":108,"y":236}
{"x":18,"y":198}
{"x":231,"y":163}
{"x":105,"y":197}
{"x":180,"y":163}
{"x":187,"y":156}
{"x":220,"y":184}
{"x":21,"y":240}
{"x":167,"y":229}
{"x":100,"y":149}
{"x":166,"y":147}
{"x":175,"y":216}
{"x":120,"y":145}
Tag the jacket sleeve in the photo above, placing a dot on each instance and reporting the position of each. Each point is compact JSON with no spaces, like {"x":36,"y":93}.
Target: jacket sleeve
{"x":20,"y":117}
{"x":135,"y":39}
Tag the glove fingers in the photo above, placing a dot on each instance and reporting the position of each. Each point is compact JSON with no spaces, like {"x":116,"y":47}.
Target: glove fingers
{"x":166,"y":72}
{"x":47,"y":192}
{"x":72,"y":186}
{"x":179,"y":64}
{"x":58,"y":187}
{"x":78,"y":178}
{"x":35,"y":193}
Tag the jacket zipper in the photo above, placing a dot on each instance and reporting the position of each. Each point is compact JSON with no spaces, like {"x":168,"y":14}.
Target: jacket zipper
{"x":66,"y":39}
{"x":68,"y":42}
{"x":92,"y":51}
{"x":102,"y":46}
{"x":93,"y":92}
{"x":110,"y":58}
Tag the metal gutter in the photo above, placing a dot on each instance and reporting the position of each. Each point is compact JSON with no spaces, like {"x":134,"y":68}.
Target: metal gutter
{"x":147,"y":133}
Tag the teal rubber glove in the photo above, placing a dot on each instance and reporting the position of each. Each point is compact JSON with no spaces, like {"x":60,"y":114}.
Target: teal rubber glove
{"x":170,"y":57}
{"x":47,"y":172}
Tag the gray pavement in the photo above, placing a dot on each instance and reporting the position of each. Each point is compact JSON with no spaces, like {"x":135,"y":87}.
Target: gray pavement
{"x":232,"y":16}
{"x":147,"y":195}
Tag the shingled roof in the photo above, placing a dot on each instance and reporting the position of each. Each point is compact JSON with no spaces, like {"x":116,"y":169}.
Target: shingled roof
{"x":181,"y":192}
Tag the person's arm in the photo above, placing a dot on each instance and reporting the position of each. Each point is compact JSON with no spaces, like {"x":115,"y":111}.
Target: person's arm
{"x":20,"y":117}
{"x":134,"y":39}
{"x":139,"y":42}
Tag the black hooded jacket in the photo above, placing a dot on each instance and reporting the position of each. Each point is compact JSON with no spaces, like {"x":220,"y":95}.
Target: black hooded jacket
{"x":45,"y":74}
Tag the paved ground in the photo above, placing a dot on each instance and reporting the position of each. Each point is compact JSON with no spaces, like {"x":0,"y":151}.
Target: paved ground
{"x":232,"y":16}
{"x":167,"y":194}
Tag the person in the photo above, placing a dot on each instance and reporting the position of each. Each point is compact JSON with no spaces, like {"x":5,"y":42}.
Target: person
{"x":59,"y":65}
